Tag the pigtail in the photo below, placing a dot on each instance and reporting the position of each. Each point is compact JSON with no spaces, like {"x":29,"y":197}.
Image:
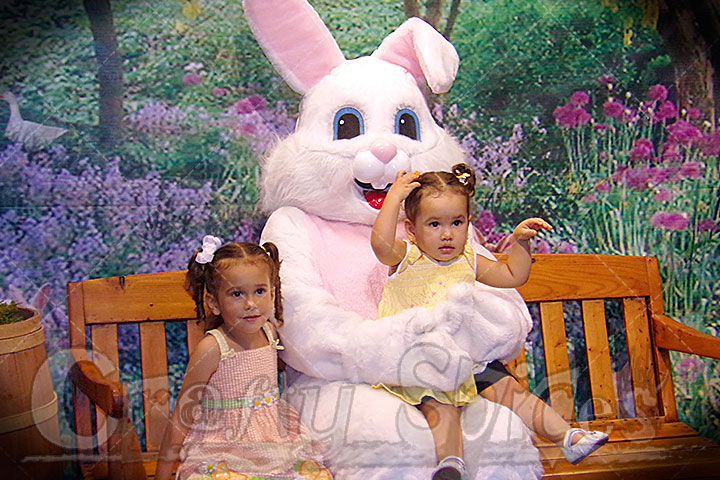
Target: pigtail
{"x":274,"y":255}
{"x":466,"y":176}
{"x":195,"y":284}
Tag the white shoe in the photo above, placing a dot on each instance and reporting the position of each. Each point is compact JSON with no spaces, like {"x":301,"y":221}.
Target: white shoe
{"x":590,"y":442}
{"x":450,"y":468}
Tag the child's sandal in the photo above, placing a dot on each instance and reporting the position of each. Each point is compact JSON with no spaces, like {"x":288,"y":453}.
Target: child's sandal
{"x":450,"y":468}
{"x":590,"y":442}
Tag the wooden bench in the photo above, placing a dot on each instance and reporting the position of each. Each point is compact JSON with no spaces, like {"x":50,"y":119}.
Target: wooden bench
{"x":648,"y":443}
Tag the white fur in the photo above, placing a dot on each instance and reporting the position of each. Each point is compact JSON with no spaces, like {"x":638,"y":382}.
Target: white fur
{"x":331,"y":282}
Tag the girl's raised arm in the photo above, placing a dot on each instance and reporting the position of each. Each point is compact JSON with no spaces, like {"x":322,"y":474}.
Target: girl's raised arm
{"x":388,"y":250}
{"x":202,"y":364}
{"x":516,"y":271}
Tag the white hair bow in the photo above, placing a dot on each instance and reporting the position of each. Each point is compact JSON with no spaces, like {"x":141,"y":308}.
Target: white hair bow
{"x":209,"y":247}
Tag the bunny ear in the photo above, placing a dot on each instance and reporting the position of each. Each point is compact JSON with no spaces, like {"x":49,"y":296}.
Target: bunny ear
{"x":295,"y":39}
{"x":421,"y":50}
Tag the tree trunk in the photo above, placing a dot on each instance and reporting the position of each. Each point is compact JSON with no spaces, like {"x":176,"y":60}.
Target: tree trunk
{"x":691,"y":30}
{"x":433,"y":14}
{"x":109,"y":71}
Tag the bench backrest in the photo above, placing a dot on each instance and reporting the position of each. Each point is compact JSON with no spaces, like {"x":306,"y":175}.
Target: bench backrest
{"x":98,"y":307}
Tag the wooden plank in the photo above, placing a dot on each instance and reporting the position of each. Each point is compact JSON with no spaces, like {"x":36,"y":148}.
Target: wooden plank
{"x":557,"y":364}
{"x":81,"y":404}
{"x":195,"y":332}
{"x":602,"y":386}
{"x":637,"y":333}
{"x":133,"y":298}
{"x":104,"y":345}
{"x":518,"y":367}
{"x":156,"y":404}
{"x":580,"y":277}
{"x":632,"y":429}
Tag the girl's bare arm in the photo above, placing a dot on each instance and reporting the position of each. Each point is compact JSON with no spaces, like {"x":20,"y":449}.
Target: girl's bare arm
{"x":388,"y":250}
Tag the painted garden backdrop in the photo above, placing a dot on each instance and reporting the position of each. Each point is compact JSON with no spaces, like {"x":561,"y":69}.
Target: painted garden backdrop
{"x":597,"y":115}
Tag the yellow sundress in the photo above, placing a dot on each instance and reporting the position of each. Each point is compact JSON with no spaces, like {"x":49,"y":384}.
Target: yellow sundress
{"x":421,"y":281}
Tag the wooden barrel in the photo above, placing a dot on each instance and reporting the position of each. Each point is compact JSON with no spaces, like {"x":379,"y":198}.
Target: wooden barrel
{"x":29,"y":432}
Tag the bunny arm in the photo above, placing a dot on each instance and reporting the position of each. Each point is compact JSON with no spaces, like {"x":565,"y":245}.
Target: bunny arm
{"x":326,"y":341}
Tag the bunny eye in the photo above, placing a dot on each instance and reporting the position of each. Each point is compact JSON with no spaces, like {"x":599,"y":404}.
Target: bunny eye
{"x":348,"y":124}
{"x":406,"y":123}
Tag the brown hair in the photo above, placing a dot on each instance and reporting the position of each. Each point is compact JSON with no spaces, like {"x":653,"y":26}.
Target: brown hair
{"x":461,"y":180}
{"x":204,"y":277}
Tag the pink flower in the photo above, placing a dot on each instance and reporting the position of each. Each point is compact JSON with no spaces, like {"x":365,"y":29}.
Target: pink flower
{"x":642,"y":150}
{"x":671,"y":152}
{"x":601,"y":127}
{"x":658,"y":176}
{"x":541,"y":246}
{"x":637,"y":179}
{"x":249,"y":104}
{"x":658,"y":93}
{"x":694,"y":113}
{"x":690,"y":368}
{"x":665,"y":111}
{"x":192,"y":78}
{"x":614,"y":109}
{"x":589,"y":198}
{"x":608,"y":80}
{"x":691,"y":170}
{"x":663,"y":195}
{"x":603,"y":187}
{"x":569,"y":116}
{"x":707,"y":225}
{"x":566,"y":247}
{"x":670,"y":221}
{"x":683,"y":132}
{"x":710,"y":144}
{"x":579,"y":99}
{"x":485,"y":222}
{"x":219,"y":92}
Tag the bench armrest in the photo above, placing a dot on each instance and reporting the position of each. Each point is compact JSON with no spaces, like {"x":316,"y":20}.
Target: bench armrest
{"x":672,"y":335}
{"x":106,"y":394}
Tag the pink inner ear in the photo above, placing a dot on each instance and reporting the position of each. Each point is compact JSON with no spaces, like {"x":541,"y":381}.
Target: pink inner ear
{"x":295,"y":40}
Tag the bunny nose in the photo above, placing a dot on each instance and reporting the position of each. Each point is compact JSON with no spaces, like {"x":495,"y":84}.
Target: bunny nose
{"x":384,"y":151}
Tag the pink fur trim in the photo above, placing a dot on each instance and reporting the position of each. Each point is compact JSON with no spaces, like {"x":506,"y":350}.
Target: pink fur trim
{"x":295,"y":40}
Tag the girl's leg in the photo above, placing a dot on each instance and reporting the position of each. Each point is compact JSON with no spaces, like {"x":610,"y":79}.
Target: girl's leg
{"x":535,"y":413}
{"x":445,"y":424}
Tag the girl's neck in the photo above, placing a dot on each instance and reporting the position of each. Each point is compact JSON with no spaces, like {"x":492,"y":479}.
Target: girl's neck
{"x":240,"y":341}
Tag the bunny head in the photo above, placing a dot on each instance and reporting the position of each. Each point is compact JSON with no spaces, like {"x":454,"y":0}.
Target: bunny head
{"x":361,"y":121}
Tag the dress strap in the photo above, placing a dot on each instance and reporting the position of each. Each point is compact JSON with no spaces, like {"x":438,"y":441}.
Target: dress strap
{"x":274,"y":342}
{"x":225,"y":351}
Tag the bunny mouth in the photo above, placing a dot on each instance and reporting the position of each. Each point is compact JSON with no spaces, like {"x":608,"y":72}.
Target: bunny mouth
{"x":373,"y":196}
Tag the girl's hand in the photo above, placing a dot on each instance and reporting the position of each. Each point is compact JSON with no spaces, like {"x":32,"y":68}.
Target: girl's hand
{"x":404,"y":184}
{"x":528,"y":228}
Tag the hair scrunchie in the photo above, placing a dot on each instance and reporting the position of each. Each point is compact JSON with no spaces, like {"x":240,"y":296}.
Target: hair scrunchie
{"x":209,"y":247}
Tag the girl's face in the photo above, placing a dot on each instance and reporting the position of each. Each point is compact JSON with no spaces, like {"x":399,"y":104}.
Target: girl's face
{"x":441,"y":227}
{"x":245,"y":297}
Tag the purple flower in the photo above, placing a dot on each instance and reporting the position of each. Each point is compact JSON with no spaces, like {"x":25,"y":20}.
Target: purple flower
{"x":192,"y":78}
{"x":691,"y":170}
{"x":637,"y":178}
{"x":614,"y":109}
{"x":601,"y":127}
{"x":607,"y":80}
{"x":249,"y":104}
{"x":566,"y":247}
{"x":663,"y":195}
{"x":670,"y":221}
{"x":665,"y":111}
{"x":671,"y":151}
{"x":579,"y":99}
{"x":710,"y":144}
{"x":589,"y":198}
{"x":658,"y":93}
{"x":707,"y":225}
{"x":570,"y":116}
{"x":683,"y":132}
{"x":694,"y":113}
{"x":690,"y":368}
{"x":485,"y":222}
{"x":659,"y":176}
{"x":219,"y":92}
{"x":603,"y":187}
{"x":642,"y":150}
{"x":541,"y":246}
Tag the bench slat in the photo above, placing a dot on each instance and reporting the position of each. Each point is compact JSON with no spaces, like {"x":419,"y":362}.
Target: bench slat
{"x":637,"y":331}
{"x":104,"y":343}
{"x":195,"y":333}
{"x":156,"y":404}
{"x":518,"y":367}
{"x":598,"y":356}
{"x":135,"y":298}
{"x":557,"y":364}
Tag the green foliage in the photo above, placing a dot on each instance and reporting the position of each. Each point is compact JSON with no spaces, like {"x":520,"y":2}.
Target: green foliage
{"x":10,"y":313}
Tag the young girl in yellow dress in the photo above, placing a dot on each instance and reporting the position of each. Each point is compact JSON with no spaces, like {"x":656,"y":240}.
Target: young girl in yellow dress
{"x":229,"y":422}
{"x":437,"y":255}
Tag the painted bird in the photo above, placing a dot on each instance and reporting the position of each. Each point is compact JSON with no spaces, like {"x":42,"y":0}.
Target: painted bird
{"x":33,"y":136}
